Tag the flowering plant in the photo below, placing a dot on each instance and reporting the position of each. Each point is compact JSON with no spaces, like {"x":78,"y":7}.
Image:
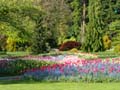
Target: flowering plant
{"x":79,"y":70}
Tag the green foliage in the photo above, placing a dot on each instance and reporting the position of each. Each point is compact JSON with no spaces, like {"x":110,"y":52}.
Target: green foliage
{"x":76,"y":7}
{"x":93,"y":39}
{"x":18,"y":19}
{"x":115,"y":32}
{"x":40,"y":37}
{"x":70,"y":39}
{"x":56,"y":18}
{"x":17,"y":67}
{"x":11,"y":44}
{"x":117,"y":49}
{"x":106,"y":42}
{"x":62,"y":19}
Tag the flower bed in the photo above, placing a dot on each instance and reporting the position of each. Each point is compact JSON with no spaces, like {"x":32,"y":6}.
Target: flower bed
{"x":63,"y":68}
{"x":79,"y":70}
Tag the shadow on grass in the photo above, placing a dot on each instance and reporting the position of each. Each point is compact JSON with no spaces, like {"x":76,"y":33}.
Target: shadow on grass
{"x":9,"y":82}
{"x":5,"y":82}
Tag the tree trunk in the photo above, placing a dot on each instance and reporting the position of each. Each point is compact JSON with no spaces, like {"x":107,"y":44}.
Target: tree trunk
{"x":83,"y":22}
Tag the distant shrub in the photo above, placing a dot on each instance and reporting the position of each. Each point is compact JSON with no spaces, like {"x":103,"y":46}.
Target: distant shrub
{"x":106,"y":42}
{"x":117,"y":48}
{"x":69,"y":45}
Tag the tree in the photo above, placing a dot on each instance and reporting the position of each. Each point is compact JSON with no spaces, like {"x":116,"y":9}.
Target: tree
{"x":39,"y":38}
{"x":76,"y":15}
{"x":93,"y":41}
{"x":17,"y":20}
{"x":57,"y":16}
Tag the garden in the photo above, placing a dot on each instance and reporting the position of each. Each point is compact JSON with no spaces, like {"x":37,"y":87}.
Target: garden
{"x":59,"y":44}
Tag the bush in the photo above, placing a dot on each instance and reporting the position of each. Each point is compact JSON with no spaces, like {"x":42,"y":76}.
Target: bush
{"x":106,"y":42}
{"x":117,"y":48}
{"x":11,"y":44}
{"x":42,"y":39}
{"x":74,"y":50}
{"x":69,"y":45}
{"x":18,"y":67}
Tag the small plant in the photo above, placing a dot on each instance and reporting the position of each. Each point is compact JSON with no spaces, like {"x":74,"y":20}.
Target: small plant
{"x":74,"y":50}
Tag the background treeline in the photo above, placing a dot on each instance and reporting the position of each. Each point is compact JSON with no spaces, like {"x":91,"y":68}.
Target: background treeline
{"x":39,"y":25}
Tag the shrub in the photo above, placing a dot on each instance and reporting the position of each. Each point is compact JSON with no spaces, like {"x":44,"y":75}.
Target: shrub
{"x":106,"y":42}
{"x":117,"y":48}
{"x":74,"y":50}
{"x":17,"y":67}
{"x":11,"y":44}
{"x":69,"y":45}
{"x":70,"y":39}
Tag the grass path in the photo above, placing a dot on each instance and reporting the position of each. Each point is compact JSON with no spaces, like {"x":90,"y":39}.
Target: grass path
{"x":60,"y":86}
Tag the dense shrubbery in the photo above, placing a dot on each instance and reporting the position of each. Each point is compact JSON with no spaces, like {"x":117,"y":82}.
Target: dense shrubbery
{"x":17,"y":67}
{"x":69,"y":45}
{"x":54,"y":22}
{"x":117,"y":48}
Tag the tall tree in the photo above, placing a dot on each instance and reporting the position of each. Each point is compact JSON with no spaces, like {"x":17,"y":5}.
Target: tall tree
{"x":57,"y":16}
{"x":17,"y":20}
{"x":93,"y":40}
{"x":76,"y":15}
{"x":40,"y":37}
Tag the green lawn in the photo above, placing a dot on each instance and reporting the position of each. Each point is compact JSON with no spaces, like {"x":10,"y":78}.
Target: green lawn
{"x":59,"y":86}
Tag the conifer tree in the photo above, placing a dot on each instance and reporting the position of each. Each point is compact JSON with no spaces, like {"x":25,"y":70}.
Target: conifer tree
{"x":95,"y":27}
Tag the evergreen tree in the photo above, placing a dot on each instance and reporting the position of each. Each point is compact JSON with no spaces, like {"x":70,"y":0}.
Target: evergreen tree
{"x":93,"y":41}
{"x":39,"y":44}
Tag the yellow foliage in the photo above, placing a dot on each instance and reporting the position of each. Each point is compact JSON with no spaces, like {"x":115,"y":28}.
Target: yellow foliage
{"x":11,"y":44}
{"x":106,"y":42}
{"x":74,"y":50}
